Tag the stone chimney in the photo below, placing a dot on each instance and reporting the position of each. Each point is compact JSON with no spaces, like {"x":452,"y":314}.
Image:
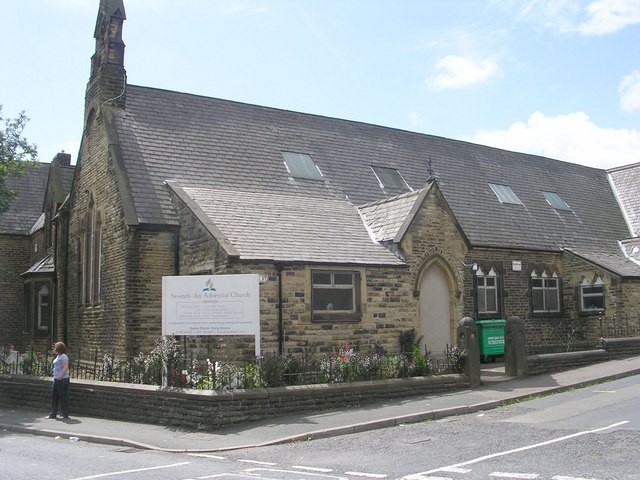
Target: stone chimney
{"x":107,"y":84}
{"x":62,"y":159}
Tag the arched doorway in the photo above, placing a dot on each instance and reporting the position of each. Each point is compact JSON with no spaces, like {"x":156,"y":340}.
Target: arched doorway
{"x":435,"y":310}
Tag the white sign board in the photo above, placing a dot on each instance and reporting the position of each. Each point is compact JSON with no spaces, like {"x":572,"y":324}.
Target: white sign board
{"x":211,"y":305}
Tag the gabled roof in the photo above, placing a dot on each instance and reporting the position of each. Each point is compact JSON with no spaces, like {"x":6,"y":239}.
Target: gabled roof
{"x":385,"y":217}
{"x":626,"y":182}
{"x":272,"y":227}
{"x":26,"y":208}
{"x":217,"y":144}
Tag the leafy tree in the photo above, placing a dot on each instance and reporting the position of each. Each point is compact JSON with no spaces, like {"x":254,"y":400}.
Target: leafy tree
{"x":16,"y":154}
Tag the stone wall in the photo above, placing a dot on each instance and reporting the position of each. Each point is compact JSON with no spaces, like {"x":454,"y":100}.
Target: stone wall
{"x":100,"y":324}
{"x":209,"y":410}
{"x":14,"y":260}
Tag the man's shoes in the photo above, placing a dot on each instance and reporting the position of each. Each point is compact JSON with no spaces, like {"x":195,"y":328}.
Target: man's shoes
{"x":53,"y":417}
{"x":65,"y":416}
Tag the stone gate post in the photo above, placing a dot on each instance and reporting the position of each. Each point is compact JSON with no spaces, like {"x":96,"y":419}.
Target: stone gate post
{"x":468,"y":340}
{"x":515,"y":348}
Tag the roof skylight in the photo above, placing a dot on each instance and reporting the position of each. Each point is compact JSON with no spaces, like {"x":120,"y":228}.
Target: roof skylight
{"x":505,"y":194}
{"x":300,"y":165}
{"x":390,"y":178}
{"x":555,"y":201}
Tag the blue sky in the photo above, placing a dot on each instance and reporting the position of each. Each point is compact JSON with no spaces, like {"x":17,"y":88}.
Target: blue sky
{"x":559,"y":78}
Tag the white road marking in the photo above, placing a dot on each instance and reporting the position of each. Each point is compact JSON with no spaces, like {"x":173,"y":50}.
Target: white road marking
{"x":256,"y":462}
{"x":367,"y":475}
{"x":419,"y":476}
{"x":514,"y":475}
{"x":122,"y":472}
{"x":296,"y":472}
{"x":206,"y":455}
{"x":602,"y":391}
{"x":455,"y":470}
{"x":312,"y":469}
{"x":559,"y":477}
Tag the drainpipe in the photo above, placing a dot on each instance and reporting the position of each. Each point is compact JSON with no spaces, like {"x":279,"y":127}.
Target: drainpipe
{"x":280,"y":326}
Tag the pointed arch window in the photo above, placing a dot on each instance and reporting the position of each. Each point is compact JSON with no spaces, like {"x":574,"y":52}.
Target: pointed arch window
{"x":91,"y":256}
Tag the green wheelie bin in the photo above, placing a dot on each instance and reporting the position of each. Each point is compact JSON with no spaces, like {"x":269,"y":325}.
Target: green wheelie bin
{"x":491,"y":337}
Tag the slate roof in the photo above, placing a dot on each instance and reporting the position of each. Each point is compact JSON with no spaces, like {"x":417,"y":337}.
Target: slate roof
{"x":25,"y":209}
{"x":45,"y":265}
{"x":385,"y":217}
{"x":217,"y":144}
{"x":626,"y":181}
{"x":267,"y":226}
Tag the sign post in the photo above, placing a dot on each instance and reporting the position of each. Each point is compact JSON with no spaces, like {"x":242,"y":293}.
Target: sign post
{"x":212,"y":305}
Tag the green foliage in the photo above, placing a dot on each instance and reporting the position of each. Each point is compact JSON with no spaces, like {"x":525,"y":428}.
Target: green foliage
{"x":408,"y":340}
{"x":16,"y":153}
{"x":457,"y":358}
{"x":420,"y":362}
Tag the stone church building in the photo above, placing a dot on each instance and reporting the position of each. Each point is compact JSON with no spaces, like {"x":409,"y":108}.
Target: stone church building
{"x":359,"y":232}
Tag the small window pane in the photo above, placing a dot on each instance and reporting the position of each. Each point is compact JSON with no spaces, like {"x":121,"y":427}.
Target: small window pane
{"x":332,"y":299}
{"x":301,"y":165}
{"x":537,"y":299}
{"x":537,"y":282}
{"x":505,"y":194}
{"x":322,"y":279}
{"x":551,"y":300}
{"x":491,"y":301}
{"x":343,"y":279}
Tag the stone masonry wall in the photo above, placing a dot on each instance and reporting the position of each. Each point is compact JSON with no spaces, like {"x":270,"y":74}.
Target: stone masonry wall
{"x":100,"y":325}
{"x":14,"y":260}
{"x":211,"y":410}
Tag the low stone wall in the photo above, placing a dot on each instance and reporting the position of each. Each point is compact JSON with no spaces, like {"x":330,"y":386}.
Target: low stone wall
{"x":554,"y":362}
{"x":210,"y":410}
{"x":621,"y":347}
{"x":609,"y":348}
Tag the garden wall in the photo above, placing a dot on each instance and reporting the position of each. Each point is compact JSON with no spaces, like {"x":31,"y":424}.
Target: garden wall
{"x":609,"y":348}
{"x":211,"y":410}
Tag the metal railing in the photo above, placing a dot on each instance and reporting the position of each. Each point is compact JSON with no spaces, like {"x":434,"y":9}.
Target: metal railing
{"x":180,"y":370}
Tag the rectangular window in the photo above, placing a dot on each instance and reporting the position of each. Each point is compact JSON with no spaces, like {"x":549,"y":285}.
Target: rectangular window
{"x":545,"y":295}
{"x":487,"y":295}
{"x":505,"y":194}
{"x":300,"y":165}
{"x":335,"y":295}
{"x":592,"y":298}
{"x":43,"y":307}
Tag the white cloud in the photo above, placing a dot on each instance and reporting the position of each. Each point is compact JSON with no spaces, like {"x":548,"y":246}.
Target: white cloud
{"x":629,"y":90}
{"x":598,"y":17}
{"x":415,"y":119}
{"x":459,"y":72}
{"x":608,"y":16}
{"x":573,"y":138}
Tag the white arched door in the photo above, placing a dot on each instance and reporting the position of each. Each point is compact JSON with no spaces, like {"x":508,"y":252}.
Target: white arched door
{"x":435,"y":314}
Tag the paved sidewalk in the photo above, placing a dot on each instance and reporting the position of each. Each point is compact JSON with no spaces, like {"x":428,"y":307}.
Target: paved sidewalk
{"x":495,"y":391}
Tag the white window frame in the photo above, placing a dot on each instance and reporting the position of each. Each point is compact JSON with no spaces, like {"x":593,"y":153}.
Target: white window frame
{"x":43,"y":323}
{"x":583,"y":296}
{"x":484,"y":290}
{"x":545,"y":290}
{"x":333,"y":286}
